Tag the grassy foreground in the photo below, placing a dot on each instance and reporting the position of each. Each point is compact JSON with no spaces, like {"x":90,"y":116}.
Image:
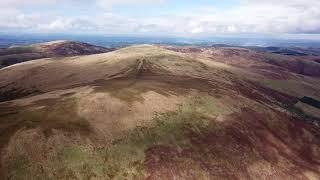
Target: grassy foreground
{"x":125,"y":157}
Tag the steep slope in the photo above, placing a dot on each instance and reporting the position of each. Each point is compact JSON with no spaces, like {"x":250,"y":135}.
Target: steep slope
{"x":145,"y":112}
{"x":17,"y":54}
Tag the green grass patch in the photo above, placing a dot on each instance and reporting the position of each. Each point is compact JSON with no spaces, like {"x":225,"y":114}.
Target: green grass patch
{"x":125,"y":158}
{"x":19,"y":167}
{"x":75,"y":162}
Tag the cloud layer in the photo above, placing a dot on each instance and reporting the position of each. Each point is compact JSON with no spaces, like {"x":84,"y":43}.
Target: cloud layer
{"x":103,"y":16}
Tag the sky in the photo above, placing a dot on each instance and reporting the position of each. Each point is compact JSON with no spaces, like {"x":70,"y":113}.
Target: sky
{"x":181,"y":18}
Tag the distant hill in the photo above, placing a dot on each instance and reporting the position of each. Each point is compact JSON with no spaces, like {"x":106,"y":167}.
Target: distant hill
{"x":273,"y":60}
{"x":290,"y":51}
{"x":62,"y":48}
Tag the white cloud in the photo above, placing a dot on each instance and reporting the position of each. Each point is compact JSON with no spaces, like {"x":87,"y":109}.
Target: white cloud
{"x":21,"y":3}
{"x":197,"y":30}
{"x":109,"y":4}
{"x":255,"y":16}
{"x":251,"y":16}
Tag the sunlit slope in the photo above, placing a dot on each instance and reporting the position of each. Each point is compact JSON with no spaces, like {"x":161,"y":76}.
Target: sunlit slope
{"x":50,"y":74}
{"x":62,"y":48}
{"x":144,"y":112}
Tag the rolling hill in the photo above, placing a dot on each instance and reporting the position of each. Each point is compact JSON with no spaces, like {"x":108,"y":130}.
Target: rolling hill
{"x":62,"y":48}
{"x":149,"y":112}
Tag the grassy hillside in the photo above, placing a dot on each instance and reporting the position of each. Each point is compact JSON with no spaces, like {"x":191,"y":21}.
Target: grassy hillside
{"x":146,"y":112}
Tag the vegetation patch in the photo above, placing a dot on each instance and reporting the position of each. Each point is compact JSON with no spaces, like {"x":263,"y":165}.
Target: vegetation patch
{"x":62,"y":115}
{"x":46,"y":115}
{"x":125,"y":157}
{"x":72,"y":162}
{"x":19,"y":167}
{"x":131,"y":90}
{"x":16,"y":50}
{"x":187,"y":141}
{"x":75,"y":162}
{"x":311,"y":101}
{"x":305,"y":113}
